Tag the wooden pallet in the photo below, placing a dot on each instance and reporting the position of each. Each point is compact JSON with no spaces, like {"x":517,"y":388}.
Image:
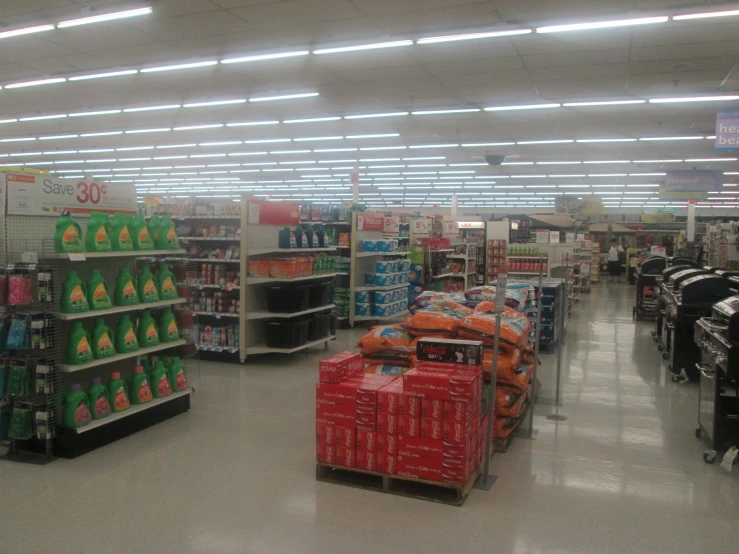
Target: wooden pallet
{"x":452,"y":494}
{"x":504,"y":443}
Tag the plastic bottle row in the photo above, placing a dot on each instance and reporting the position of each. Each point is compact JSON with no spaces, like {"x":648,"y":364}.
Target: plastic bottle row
{"x":83,"y":347}
{"x":303,"y":237}
{"x":100,"y":401}
{"x":123,"y":233}
{"x":96,"y":294}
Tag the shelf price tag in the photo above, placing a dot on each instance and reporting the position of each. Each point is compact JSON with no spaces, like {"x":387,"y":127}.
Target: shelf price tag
{"x":542,"y":236}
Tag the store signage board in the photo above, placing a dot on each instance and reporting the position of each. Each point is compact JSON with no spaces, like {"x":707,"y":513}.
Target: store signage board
{"x":263,"y":212}
{"x":46,"y":195}
{"x":553,"y":237}
{"x":580,"y":236}
{"x":659,"y":251}
{"x":471,"y":225}
{"x":500,"y":289}
{"x":694,"y":181}
{"x":370,"y":222}
{"x":421,"y":227}
{"x":666,"y":195}
{"x":542,"y":236}
{"x":391,"y":226}
{"x":727,"y":131}
{"x":451,"y":229}
{"x":570,"y":237}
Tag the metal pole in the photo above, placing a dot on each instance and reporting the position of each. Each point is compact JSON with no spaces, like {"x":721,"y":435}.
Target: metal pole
{"x":562,"y":332}
{"x":532,"y":433}
{"x":487,"y":481}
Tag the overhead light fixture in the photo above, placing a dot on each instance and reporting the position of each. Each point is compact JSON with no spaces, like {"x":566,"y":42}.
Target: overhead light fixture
{"x":602,"y":24}
{"x":323,"y":150}
{"x":474,"y":144}
{"x":558,"y":163}
{"x":373,"y":115}
{"x":221,"y":143}
{"x":104,"y":17}
{"x":35,"y":83}
{"x":167,"y":146}
{"x":315,"y":139}
{"x":312,"y":119}
{"x":693,"y":137}
{"x":42,"y":117}
{"x":606,"y":162}
{"x":104,"y":75}
{"x":178,"y":66}
{"x":418,"y":146}
{"x":360,"y":47}
{"x":693,"y":99}
{"x":101,"y":134}
{"x":215,"y":103}
{"x":197,"y":127}
{"x":26,"y":31}
{"x":260,"y":57}
{"x":712,"y":160}
{"x":283,"y":97}
{"x":685,"y":16}
{"x":153,"y":108}
{"x":656,"y":161}
{"x":606,"y":140}
{"x":264,"y":141}
{"x":58,"y":137}
{"x":473,"y":36}
{"x":521,"y":107}
{"x":157,"y":130}
{"x":557,"y":141}
{"x":603,"y":103}
{"x":132,"y":148}
{"x":441,"y":112}
{"x":101,"y":112}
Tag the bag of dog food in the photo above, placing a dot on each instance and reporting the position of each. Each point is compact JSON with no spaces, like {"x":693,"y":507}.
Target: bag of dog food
{"x":387,"y":338}
{"x":508,"y":362}
{"x":514,"y":329}
{"x":517,"y":379}
{"x":453,"y":309}
{"x":431,"y":324}
{"x":385,"y":369}
{"x":508,"y":401}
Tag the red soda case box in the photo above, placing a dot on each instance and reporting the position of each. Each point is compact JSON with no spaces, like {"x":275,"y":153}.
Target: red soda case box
{"x":340,"y":367}
{"x":428,"y":450}
{"x":387,"y":423}
{"x":431,"y":428}
{"x":414,"y":468}
{"x":367,"y":385}
{"x":367,"y":460}
{"x":432,"y":408}
{"x":387,"y":444}
{"x":334,"y":399}
{"x":442,"y":381}
{"x":326,"y":453}
{"x":325,"y":433}
{"x":456,"y":433}
{"x":466,"y":352}
{"x":389,"y":397}
{"x":455,"y":474}
{"x":345,"y":436}
{"x":366,"y":439}
{"x":451,"y":450}
{"x":366,"y":420}
{"x":328,"y":414}
{"x":366,"y":408}
{"x":409,"y":426}
{"x":457,"y":410}
{"x":387,"y":463}
{"x":345,"y":456}
{"x":410,"y":405}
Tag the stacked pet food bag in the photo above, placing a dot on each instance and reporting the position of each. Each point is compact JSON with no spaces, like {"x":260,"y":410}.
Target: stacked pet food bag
{"x":425,"y":425}
{"x":391,"y":349}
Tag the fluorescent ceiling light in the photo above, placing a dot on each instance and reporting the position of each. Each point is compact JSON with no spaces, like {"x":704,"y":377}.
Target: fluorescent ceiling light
{"x":196,"y":127}
{"x":693,"y":99}
{"x":711,"y":160}
{"x":656,"y":161}
{"x":373,"y":46}
{"x":8,"y":120}
{"x":521,"y":107}
{"x":311,"y":139}
{"x":221,"y":143}
{"x":385,"y":135}
{"x":36,"y":83}
{"x":312,"y":119}
{"x":158,"y":130}
{"x":335,"y":150}
{"x":56,"y":137}
{"x":26,"y":31}
{"x":606,"y":162}
{"x":178,"y":66}
{"x":153,"y":108}
{"x":557,"y":163}
{"x":215,"y":103}
{"x":417,"y":146}
{"x":696,"y":137}
{"x":132,"y":148}
{"x":283,"y":97}
{"x":164,"y":146}
{"x":473,"y":144}
{"x":704,"y":15}
{"x":562,"y":141}
{"x":602,"y":24}
{"x":101,"y":112}
{"x":96,"y":150}
{"x":41,"y":117}
{"x":289,"y":152}
{"x":104,"y":17}
{"x":263,"y":141}
{"x":607,"y":140}
{"x":102,"y":134}
{"x":252,"y":123}
{"x":104,"y":75}
{"x":603,"y":103}
{"x":372,"y":115}
{"x":439,"y":112}
{"x":473,"y":36}
{"x":260,"y":57}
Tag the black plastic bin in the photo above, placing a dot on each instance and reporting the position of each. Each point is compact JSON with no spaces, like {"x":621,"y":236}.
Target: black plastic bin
{"x":288,"y":299}
{"x":320,"y":294}
{"x":287,"y":334}
{"x":320,"y":326}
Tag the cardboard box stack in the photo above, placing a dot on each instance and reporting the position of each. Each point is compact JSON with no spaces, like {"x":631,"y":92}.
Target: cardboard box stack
{"x":424,"y":425}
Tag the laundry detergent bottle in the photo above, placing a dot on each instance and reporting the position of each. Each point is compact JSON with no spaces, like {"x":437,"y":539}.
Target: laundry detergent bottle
{"x":154,"y":224}
{"x":96,"y":239}
{"x":147,"y":367}
{"x":168,"y":331}
{"x":118,"y":393}
{"x":102,"y":340}
{"x":120,"y":234}
{"x":79,"y":350}
{"x":125,"y":289}
{"x":98,"y":294}
{"x":140,"y":387}
{"x":160,"y":381}
{"x":76,"y":409}
{"x":68,"y":235}
{"x":97,"y":397}
{"x":177,"y":377}
{"x":166,"y":284}
{"x":74,"y":295}
{"x":167,"y":239}
{"x":286,"y":238}
{"x":125,"y":336}
{"x":146,"y":286}
{"x":147,"y":333}
{"x":140,"y":234}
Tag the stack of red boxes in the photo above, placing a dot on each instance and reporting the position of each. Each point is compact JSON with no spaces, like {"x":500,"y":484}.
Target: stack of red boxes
{"x":426,"y":425}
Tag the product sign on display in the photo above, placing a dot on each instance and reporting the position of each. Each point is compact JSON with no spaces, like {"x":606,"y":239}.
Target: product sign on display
{"x":370,"y":222}
{"x":421,"y":227}
{"x":658,"y":251}
{"x":392,"y":226}
{"x":694,"y":181}
{"x":45,"y":195}
{"x":500,"y":289}
{"x":569,"y":237}
{"x":727,"y":131}
{"x":580,"y":236}
{"x":554,"y":237}
{"x":263,"y":212}
{"x":542,"y":236}
{"x":451,"y":229}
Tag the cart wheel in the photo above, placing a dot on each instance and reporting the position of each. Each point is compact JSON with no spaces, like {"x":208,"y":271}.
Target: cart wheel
{"x":654,"y":334}
{"x":709,"y":456}
{"x":655,"y":338}
{"x":665,"y":355}
{"x":698,"y":432}
{"x":660,"y":347}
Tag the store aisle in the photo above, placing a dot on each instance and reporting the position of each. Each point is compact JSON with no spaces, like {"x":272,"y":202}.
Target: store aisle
{"x":623,"y":472}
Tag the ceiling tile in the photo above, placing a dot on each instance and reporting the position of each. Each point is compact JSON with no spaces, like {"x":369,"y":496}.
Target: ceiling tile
{"x":419,"y":23}
{"x":194,"y":25}
{"x":295,"y":12}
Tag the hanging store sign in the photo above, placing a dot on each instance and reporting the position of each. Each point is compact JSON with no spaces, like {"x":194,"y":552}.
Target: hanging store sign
{"x":46,"y":195}
{"x":542,"y":236}
{"x":451,"y":229}
{"x":370,"y":222}
{"x":694,"y":181}
{"x":665,"y":195}
{"x":421,"y":227}
{"x":391,"y":226}
{"x":727,"y":131}
{"x":263,"y":212}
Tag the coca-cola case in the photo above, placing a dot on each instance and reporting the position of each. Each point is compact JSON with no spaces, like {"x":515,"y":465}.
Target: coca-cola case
{"x":466,"y":352}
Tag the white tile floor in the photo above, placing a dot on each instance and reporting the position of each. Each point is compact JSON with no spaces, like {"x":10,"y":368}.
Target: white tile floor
{"x":623,"y":473}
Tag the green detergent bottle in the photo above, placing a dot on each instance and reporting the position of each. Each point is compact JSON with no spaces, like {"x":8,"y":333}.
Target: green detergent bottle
{"x":160,"y":381}
{"x":146,"y":286}
{"x":140,"y":387}
{"x":118,"y":393}
{"x":97,"y":397}
{"x":166,"y":283}
{"x":98,"y":295}
{"x":96,"y":239}
{"x":168,"y":331}
{"x":177,"y":377}
{"x":125,"y":336}
{"x":167,"y":239}
{"x":147,"y":368}
{"x":74,"y":295}
{"x":68,"y":235}
{"x":154,"y":224}
{"x":147,"y":333}
{"x":140,"y":234}
{"x":79,"y":350}
{"x":76,"y":410}
{"x":120,"y":235}
{"x":102,"y":340}
{"x":125,"y":289}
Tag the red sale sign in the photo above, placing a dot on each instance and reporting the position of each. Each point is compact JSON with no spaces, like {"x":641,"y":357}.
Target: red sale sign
{"x":421,"y":227}
{"x":264,"y":212}
{"x":392,"y":226}
{"x":370,"y":222}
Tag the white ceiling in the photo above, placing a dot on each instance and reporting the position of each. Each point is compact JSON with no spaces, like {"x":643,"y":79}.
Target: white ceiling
{"x":677,"y":58}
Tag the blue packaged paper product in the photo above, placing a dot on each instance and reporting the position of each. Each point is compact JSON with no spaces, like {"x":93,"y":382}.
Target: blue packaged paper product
{"x":402,"y":278}
{"x":370,"y":246}
{"x":363,"y":296}
{"x":383,"y":297}
{"x":383,"y":280}
{"x":383,"y":310}
{"x":369,"y":279}
{"x":393,"y":245}
{"x":415,"y":274}
{"x":383,"y":246}
{"x":384,"y":267}
{"x":397,"y":294}
{"x":364,"y":308}
{"x":405,"y":266}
